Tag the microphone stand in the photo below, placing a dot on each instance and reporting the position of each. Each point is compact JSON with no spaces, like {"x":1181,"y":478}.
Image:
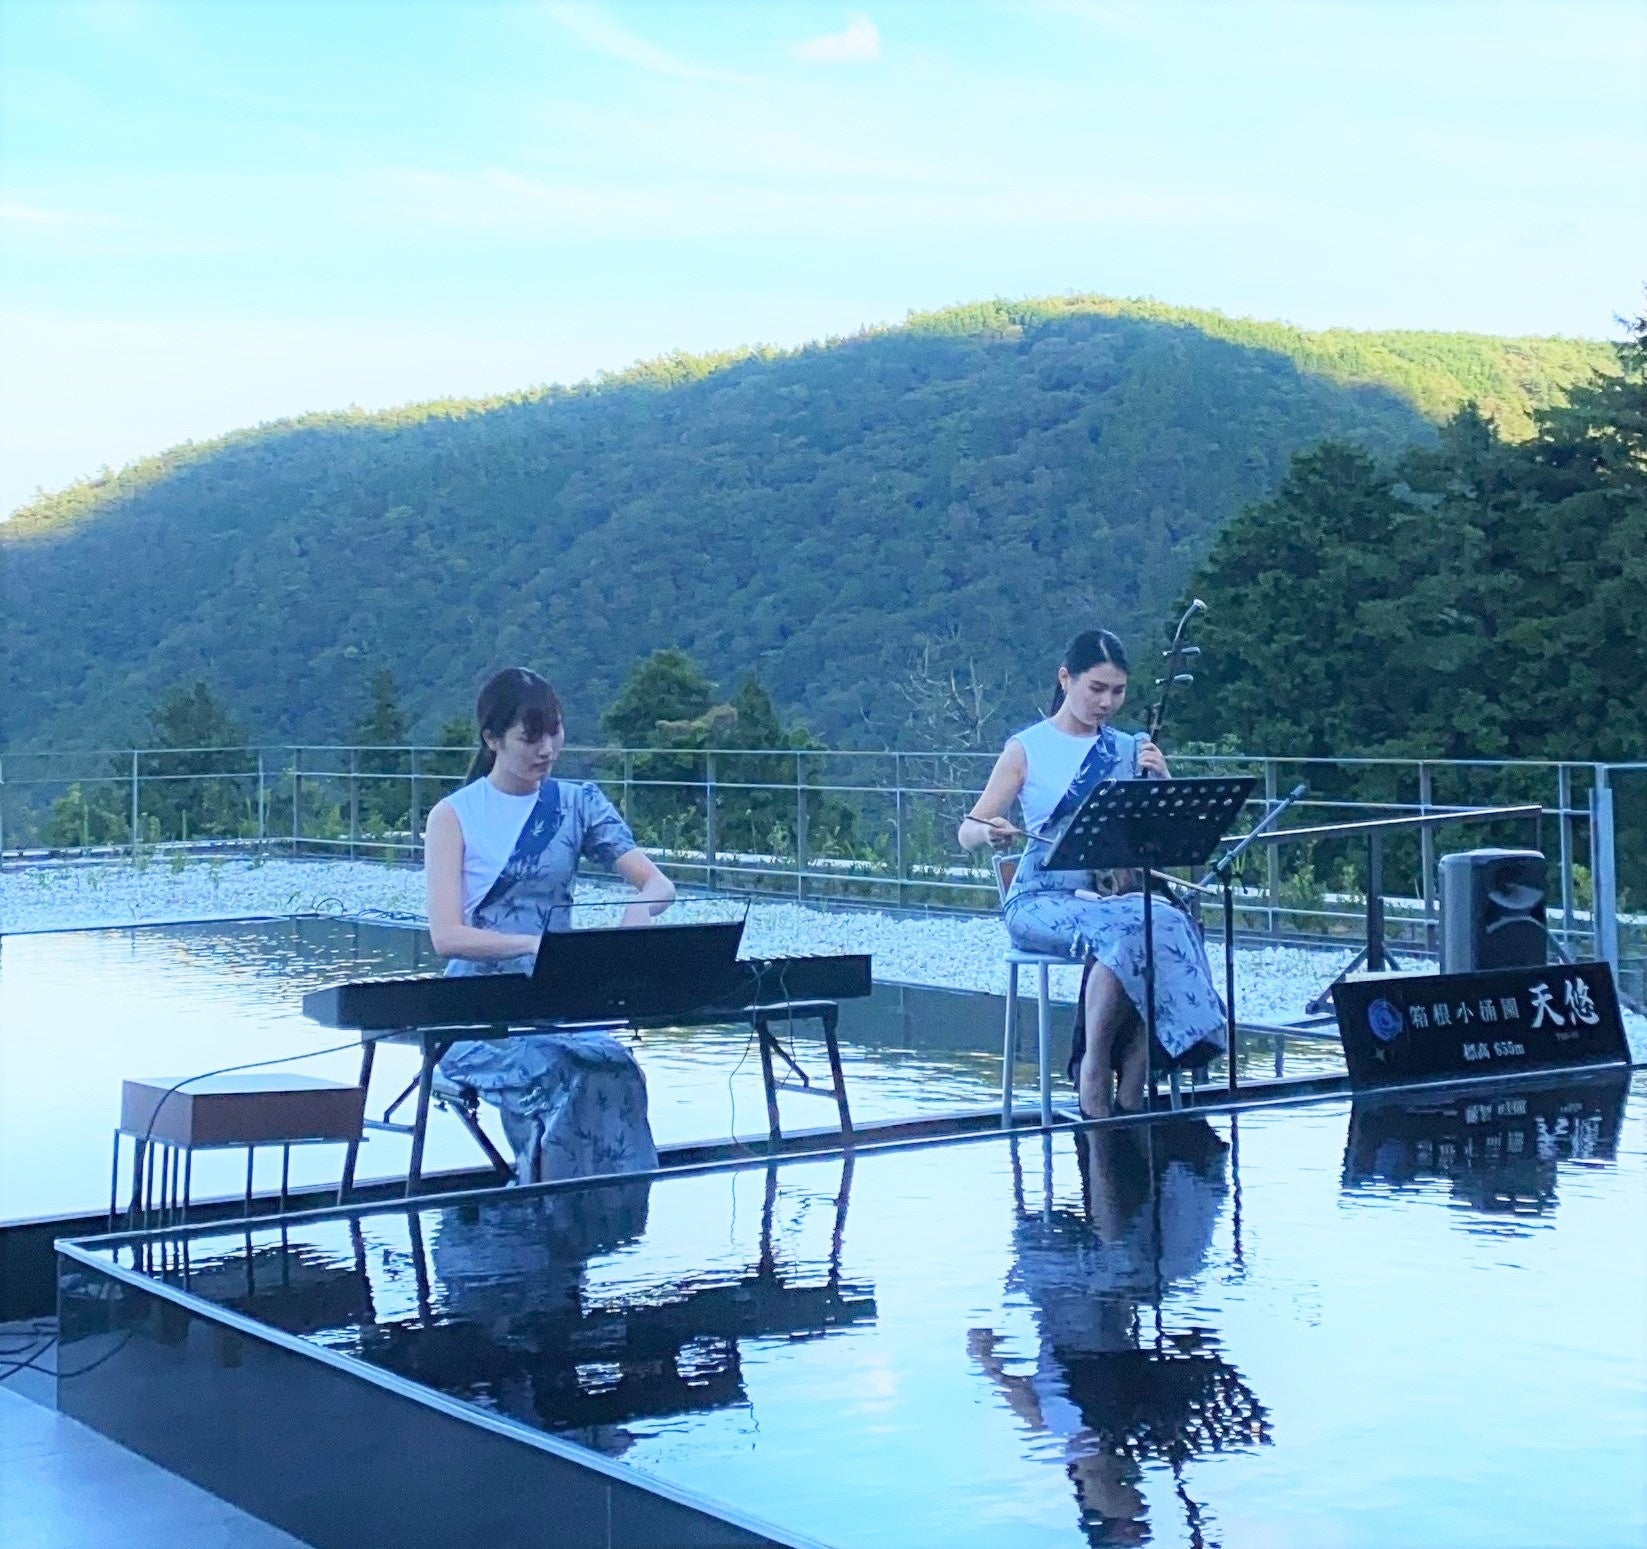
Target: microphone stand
{"x":1223,"y":869}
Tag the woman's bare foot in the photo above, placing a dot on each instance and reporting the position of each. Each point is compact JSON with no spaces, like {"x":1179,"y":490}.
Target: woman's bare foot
{"x":1093,"y":1099}
{"x":1105,"y":1007}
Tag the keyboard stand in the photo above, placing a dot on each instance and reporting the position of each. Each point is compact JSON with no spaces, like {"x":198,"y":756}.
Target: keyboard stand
{"x":826,"y":1012}
{"x":434,"y":1042}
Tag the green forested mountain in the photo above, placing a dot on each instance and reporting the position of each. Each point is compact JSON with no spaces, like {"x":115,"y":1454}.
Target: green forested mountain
{"x":852,"y":521}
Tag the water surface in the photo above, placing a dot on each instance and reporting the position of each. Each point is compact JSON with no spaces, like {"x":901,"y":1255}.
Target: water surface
{"x":82,"y":1010}
{"x":1388,"y":1323}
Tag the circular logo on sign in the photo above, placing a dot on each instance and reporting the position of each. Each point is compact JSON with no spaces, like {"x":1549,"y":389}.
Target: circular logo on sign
{"x":1385,"y":1020}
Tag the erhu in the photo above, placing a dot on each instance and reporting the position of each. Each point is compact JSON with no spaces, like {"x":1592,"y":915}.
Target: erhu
{"x":1180,"y":656}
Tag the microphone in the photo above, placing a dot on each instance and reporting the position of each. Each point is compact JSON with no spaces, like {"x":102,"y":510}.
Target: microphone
{"x":1141,"y":740}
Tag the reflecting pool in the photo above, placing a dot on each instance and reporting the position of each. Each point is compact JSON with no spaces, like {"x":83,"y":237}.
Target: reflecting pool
{"x":1393,"y":1321}
{"x":82,"y":1010}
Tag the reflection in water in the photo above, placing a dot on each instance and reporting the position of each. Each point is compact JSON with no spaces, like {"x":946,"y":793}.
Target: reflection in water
{"x":1114,"y":1381}
{"x":1050,"y":1355}
{"x":295,"y":1287}
{"x":1497,"y":1148}
{"x":508,"y":1315}
{"x":521,"y":1327}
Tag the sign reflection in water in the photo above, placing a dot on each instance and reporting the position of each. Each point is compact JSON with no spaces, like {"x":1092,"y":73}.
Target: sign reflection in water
{"x":1498,"y":1148}
{"x":1116,"y":1382}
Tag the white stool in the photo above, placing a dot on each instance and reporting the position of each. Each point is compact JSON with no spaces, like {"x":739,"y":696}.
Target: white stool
{"x":1006,"y":867}
{"x":1043,"y":963}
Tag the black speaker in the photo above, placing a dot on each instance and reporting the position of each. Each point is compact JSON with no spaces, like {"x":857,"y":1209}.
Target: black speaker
{"x":1492,"y":910}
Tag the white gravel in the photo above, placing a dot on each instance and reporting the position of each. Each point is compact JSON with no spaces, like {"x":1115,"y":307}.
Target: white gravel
{"x":945,"y":951}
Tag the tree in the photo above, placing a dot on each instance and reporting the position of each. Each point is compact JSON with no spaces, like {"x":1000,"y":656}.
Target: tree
{"x":384,"y":724}
{"x":191,"y":717}
{"x":668,"y":688}
{"x":194,"y":770}
{"x":668,"y":703}
{"x":1481,"y":598}
{"x":756,"y":804}
{"x":76,"y":820}
{"x":456,"y":742}
{"x":1601,"y":430}
{"x":951,"y":699}
{"x":1030,"y":467}
{"x":200,"y":755}
{"x":380,"y":735}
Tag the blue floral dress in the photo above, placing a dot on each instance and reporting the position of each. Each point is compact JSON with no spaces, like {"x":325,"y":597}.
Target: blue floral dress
{"x":572,"y":1103}
{"x":1043,"y":914}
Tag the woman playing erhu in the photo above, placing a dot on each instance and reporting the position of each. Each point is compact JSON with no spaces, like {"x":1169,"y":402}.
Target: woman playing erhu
{"x":1049,"y":768}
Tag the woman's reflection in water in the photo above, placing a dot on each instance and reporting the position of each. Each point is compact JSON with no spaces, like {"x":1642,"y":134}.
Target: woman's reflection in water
{"x":514,"y":1307}
{"x":1111,"y":1382}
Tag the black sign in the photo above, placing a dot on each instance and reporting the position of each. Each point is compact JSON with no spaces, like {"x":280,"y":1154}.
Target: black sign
{"x":1410,"y":1027}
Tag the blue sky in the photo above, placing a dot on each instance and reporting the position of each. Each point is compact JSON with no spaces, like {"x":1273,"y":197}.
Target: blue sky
{"x":218,"y":212}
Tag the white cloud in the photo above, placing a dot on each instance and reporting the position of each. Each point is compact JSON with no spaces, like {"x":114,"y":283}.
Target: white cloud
{"x":858,"y":43}
{"x":601,"y":34}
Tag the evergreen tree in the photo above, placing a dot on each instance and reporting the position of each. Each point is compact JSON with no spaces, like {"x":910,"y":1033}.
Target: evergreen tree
{"x":198,"y":751}
{"x":382,"y":769}
{"x":666,"y":689}
{"x":668,"y":703}
{"x":1481,"y":598}
{"x":1600,"y":432}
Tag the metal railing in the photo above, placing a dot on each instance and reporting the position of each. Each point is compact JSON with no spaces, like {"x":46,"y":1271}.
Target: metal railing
{"x":827,"y":823}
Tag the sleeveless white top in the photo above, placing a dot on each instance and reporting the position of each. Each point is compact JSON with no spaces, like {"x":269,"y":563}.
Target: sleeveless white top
{"x":491,"y":821}
{"x":1053,"y":759}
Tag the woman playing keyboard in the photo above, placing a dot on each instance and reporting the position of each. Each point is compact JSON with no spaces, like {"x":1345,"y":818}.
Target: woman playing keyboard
{"x":501,"y":856}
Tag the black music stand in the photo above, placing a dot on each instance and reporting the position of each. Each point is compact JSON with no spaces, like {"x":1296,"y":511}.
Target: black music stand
{"x":1144,"y":825}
